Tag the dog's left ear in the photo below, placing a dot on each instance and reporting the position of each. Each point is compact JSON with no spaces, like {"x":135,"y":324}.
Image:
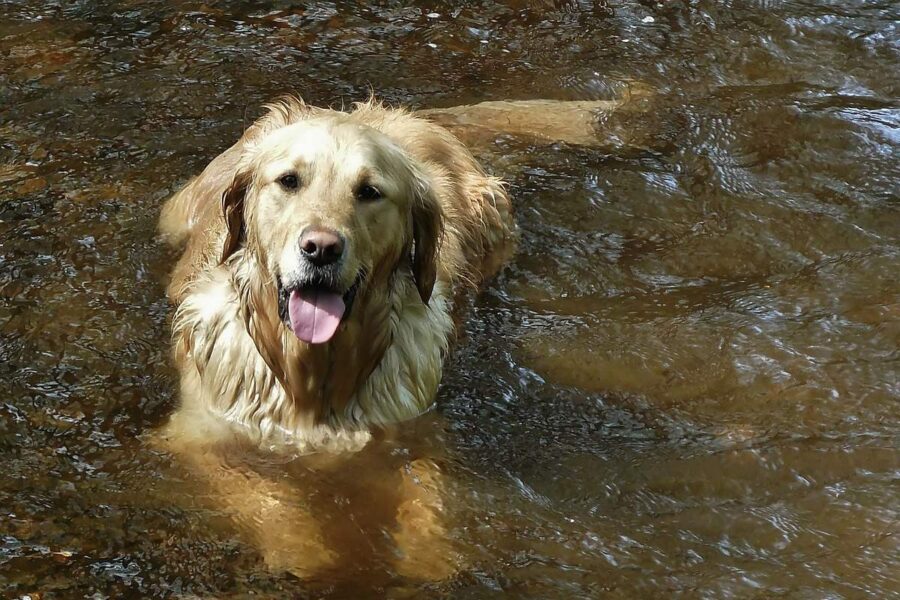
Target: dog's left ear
{"x":428,"y":227}
{"x":233,"y":213}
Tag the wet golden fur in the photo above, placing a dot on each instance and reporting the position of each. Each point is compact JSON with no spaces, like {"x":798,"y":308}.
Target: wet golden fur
{"x":441,"y":234}
{"x":442,"y":227}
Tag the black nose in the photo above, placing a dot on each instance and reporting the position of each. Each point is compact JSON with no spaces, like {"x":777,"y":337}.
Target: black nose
{"x":321,"y":246}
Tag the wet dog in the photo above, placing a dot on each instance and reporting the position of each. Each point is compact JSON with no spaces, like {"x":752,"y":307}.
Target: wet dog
{"x":327,"y":260}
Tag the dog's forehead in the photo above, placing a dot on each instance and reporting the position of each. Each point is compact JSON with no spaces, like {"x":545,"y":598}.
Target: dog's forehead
{"x":316,"y":140}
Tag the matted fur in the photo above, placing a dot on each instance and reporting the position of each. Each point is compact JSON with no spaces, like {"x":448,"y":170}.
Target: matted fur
{"x":241,"y":363}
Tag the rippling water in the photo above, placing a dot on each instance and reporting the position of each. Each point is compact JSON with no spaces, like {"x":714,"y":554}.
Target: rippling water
{"x":686,"y":382}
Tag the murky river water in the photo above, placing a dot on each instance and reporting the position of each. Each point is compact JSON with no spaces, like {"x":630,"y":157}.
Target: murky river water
{"x":686,"y":382}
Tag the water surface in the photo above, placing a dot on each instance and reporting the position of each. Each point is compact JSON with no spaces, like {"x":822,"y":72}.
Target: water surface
{"x":685,"y":383}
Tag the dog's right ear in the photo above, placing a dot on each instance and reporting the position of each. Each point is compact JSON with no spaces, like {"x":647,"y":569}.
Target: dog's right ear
{"x":233,"y":213}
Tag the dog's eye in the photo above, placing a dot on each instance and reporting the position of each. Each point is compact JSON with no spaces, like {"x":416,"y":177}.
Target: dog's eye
{"x":289,"y":181}
{"x":368,"y":193}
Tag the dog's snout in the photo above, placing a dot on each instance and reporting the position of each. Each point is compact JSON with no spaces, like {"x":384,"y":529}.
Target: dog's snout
{"x":321,"y":246}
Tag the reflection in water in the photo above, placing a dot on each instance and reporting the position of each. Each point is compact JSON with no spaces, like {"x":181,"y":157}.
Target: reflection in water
{"x":685,"y":382}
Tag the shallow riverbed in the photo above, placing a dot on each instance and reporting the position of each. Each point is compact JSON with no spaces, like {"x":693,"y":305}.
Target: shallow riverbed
{"x":685,"y":383}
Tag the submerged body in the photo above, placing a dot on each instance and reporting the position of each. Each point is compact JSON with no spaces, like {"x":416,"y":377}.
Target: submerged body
{"x":328,"y":258}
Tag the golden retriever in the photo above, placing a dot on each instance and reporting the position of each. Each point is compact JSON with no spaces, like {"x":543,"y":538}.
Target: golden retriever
{"x":328,"y":258}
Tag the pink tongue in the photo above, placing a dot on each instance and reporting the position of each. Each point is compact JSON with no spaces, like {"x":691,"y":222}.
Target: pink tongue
{"x":315,"y":314}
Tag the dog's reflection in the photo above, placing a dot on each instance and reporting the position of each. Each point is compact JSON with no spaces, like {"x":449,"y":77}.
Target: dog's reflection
{"x":378,"y":510}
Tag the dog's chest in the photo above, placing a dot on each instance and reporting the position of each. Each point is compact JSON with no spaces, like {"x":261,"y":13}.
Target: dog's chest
{"x":234,"y":380}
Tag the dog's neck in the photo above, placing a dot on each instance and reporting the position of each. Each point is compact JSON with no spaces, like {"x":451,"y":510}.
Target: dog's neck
{"x":377,"y":352}
{"x":242,"y":363}
{"x":320,"y":379}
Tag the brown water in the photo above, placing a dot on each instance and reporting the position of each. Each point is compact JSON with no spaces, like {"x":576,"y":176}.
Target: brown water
{"x":686,"y":383}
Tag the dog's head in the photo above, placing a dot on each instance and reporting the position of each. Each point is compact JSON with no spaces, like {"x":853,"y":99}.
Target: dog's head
{"x":328,"y":205}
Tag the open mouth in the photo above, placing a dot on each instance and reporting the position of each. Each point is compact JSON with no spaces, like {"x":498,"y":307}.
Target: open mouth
{"x":314,"y":310}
